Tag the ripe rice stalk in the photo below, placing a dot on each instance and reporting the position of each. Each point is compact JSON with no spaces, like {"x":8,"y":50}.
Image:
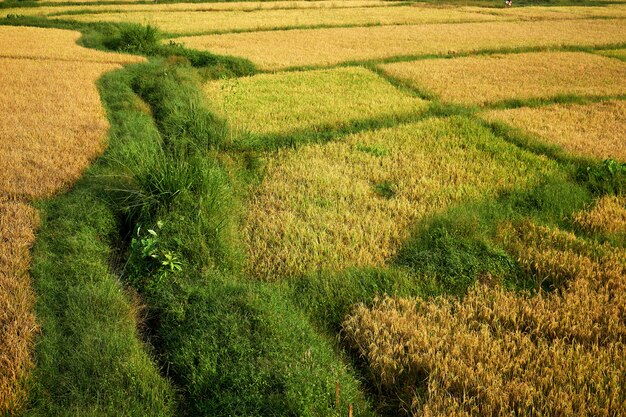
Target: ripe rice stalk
{"x":607,"y":216}
{"x":597,"y":130}
{"x":493,"y":78}
{"x":53,"y":125}
{"x":352,"y":202}
{"x":283,"y":103}
{"x":17,"y":322}
{"x":294,"y":48}
{"x":499,"y":353}
{"x":187,"y":22}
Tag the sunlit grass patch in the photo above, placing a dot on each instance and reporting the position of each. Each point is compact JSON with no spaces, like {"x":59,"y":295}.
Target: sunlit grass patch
{"x":496,"y":352}
{"x":352,"y":202}
{"x":17,"y":321}
{"x":280,"y":104}
{"x":293,"y":48}
{"x":615,"y":53}
{"x":597,"y":130}
{"x":493,"y":78}
{"x":189,"y":22}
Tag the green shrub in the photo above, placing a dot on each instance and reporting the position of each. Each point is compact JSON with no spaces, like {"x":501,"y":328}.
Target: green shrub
{"x":135,"y":38}
{"x":609,"y":177}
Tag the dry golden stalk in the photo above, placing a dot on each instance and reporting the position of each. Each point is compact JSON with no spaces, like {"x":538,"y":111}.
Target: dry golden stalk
{"x":17,"y":322}
{"x":499,"y":353}
{"x":41,"y":44}
{"x":555,"y":12}
{"x":607,"y":216}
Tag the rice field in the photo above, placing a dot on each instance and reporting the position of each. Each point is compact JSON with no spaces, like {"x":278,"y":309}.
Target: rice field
{"x":352,"y":202}
{"x":281,"y":104}
{"x":305,"y":239}
{"x":53,"y":125}
{"x":492,"y":78}
{"x":203,"y":22}
{"x":324,"y":47}
{"x":497,"y":353}
{"x":557,"y":12}
{"x":190,"y":7}
{"x":48,"y":142}
{"x":597,"y":130}
{"x":607,"y":216}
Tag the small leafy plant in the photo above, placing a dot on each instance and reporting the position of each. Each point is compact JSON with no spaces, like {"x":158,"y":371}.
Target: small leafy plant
{"x":149,"y":264}
{"x":606,"y":178}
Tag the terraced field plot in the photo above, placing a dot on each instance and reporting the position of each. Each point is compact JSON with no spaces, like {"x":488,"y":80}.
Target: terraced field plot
{"x":295,"y":102}
{"x":59,"y":45}
{"x":293,"y":48}
{"x":493,"y":78}
{"x":562,"y":12}
{"x":351,"y":202}
{"x":597,"y":130}
{"x":190,"y":7}
{"x":204,"y":22}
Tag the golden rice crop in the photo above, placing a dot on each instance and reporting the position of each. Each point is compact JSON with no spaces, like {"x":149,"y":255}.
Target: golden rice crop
{"x":607,"y":216}
{"x":288,"y":102}
{"x":282,"y":49}
{"x":37,"y":43}
{"x":597,"y":129}
{"x":351,"y":202}
{"x":491,"y":78}
{"x":199,"y":22}
{"x":52,"y":124}
{"x":498,"y":353}
{"x":555,"y":12}
{"x":17,"y":322}
{"x":190,"y":7}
